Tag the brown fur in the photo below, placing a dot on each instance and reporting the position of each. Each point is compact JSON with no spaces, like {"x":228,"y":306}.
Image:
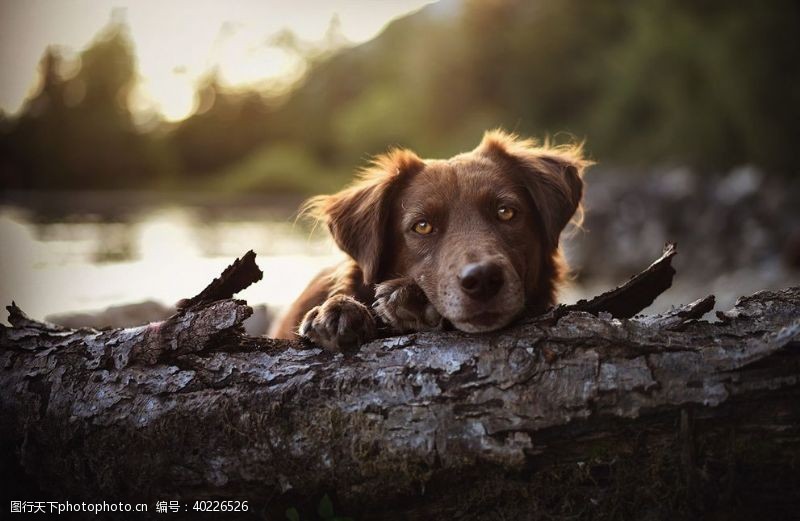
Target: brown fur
{"x":420,"y":279}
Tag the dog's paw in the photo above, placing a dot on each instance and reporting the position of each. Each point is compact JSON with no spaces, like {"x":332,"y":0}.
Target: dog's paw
{"x":340,"y":323}
{"x":405,"y":307}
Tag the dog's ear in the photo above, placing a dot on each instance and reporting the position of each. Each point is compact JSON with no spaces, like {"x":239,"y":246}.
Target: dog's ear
{"x":552,"y":175}
{"x":358,"y":216}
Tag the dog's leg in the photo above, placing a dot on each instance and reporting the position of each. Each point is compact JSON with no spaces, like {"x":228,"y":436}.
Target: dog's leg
{"x":339,"y":323}
{"x":405,"y":307}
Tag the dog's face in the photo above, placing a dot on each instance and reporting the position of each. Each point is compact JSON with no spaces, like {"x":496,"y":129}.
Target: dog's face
{"x":464,"y":232}
{"x":477,"y":232}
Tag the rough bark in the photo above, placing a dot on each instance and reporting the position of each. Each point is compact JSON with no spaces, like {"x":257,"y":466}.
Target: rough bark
{"x":573,"y":413}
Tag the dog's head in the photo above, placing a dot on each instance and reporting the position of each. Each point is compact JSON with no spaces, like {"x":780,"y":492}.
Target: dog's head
{"x":478,"y":232}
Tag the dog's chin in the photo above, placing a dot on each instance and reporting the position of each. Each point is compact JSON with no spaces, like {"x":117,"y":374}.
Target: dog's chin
{"x":482,"y":322}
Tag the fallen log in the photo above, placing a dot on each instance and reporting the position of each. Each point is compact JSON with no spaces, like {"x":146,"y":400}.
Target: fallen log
{"x":587,"y":411}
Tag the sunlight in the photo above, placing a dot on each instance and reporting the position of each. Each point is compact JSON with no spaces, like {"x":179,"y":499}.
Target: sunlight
{"x":178,"y":43}
{"x":241,"y":66}
{"x":172,"y":256}
{"x":171,"y":95}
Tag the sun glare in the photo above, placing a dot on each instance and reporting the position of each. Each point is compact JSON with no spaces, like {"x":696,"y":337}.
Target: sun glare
{"x":178,"y":43}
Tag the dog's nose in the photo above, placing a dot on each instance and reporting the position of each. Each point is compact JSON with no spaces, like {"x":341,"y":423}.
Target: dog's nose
{"x":481,"y":280}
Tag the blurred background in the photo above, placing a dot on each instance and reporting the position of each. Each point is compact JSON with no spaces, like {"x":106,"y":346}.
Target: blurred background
{"x":144,"y":145}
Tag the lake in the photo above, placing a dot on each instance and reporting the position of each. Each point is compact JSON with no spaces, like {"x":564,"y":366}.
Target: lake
{"x":84,"y":252}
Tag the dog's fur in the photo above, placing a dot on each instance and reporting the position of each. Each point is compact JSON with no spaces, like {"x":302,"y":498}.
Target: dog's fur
{"x":474,"y":269}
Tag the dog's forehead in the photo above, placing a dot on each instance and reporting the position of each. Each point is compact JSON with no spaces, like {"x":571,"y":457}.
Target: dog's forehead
{"x":459,"y":176}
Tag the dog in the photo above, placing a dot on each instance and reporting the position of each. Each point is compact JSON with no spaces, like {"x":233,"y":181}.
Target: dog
{"x":469,"y":242}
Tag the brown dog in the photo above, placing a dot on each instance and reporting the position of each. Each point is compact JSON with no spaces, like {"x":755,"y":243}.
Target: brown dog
{"x":472,"y":240}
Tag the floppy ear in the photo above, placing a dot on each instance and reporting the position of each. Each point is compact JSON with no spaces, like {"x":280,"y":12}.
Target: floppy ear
{"x":358,"y":216}
{"x":552,"y":176}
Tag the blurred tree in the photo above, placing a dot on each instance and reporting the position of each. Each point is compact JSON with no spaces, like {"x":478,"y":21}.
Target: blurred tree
{"x":711,"y":84}
{"x":226,"y":125}
{"x":29,"y":143}
{"x":706,"y":84}
{"x":77,"y":132}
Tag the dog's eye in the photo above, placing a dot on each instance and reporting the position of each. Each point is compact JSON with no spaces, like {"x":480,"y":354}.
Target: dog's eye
{"x":504,"y":213}
{"x":422,"y":227}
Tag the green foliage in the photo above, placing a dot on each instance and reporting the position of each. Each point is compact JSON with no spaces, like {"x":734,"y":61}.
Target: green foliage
{"x":707,"y":84}
{"x":277,"y":168}
{"x":711,"y":85}
{"x":324,"y":511}
{"x":325,"y":508}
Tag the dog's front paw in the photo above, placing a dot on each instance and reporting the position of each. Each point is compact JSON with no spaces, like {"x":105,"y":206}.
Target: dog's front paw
{"x":405,"y":307}
{"x":340,"y":323}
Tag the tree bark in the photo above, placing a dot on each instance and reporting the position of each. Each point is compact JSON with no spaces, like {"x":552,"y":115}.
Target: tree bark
{"x":579,"y":413}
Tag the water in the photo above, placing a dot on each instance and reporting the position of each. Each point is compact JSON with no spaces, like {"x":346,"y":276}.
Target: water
{"x":85,"y":252}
